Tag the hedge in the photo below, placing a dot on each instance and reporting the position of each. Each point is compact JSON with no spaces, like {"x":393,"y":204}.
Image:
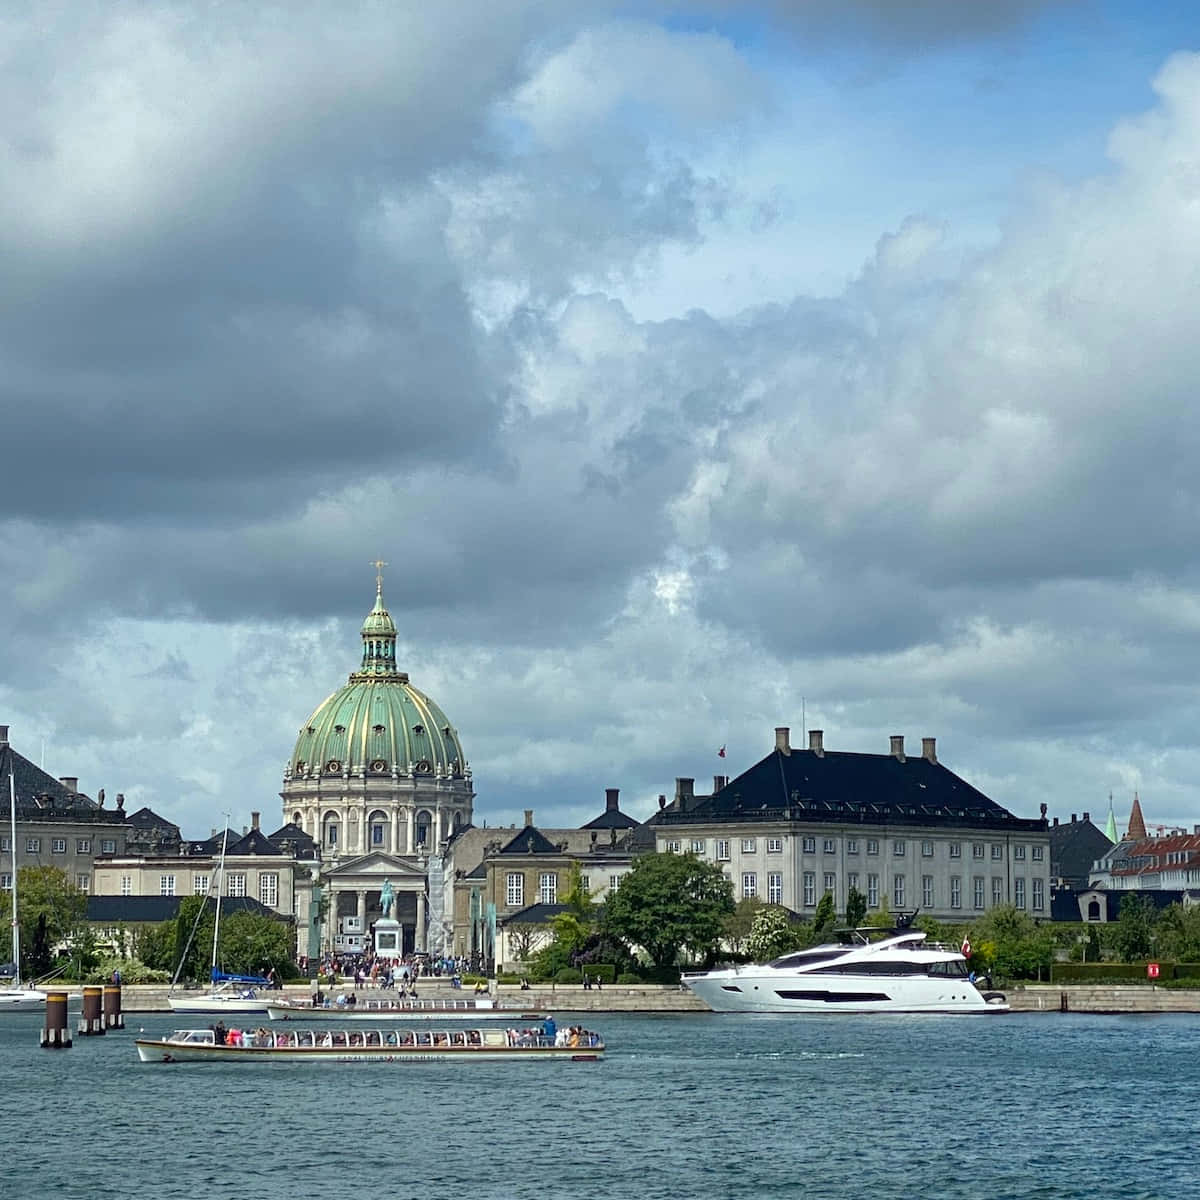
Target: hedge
{"x":1103,"y":972}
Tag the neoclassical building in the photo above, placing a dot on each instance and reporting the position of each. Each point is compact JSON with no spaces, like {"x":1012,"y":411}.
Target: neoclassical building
{"x":378,"y":778}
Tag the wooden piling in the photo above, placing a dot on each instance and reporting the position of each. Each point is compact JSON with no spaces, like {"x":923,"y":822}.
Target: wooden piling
{"x":91,"y":1023}
{"x":112,"y":1007}
{"x":57,"y":1034}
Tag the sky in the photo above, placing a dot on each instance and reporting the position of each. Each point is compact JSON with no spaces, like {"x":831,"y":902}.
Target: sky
{"x":697,"y":368}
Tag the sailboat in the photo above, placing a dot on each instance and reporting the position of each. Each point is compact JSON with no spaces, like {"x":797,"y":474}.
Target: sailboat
{"x":15,"y":998}
{"x":228,"y":993}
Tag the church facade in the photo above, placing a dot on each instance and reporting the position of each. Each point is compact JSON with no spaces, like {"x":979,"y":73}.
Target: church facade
{"x":379,"y":780}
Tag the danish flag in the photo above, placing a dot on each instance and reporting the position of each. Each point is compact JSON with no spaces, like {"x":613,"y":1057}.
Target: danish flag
{"x":966,"y":948}
{"x":721,"y":752}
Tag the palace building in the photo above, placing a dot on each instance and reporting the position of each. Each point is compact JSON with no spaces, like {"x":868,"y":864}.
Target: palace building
{"x":379,"y":780}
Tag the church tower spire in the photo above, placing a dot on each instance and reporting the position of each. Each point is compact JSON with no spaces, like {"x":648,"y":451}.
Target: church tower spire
{"x":378,"y":637}
{"x":1137,"y":825}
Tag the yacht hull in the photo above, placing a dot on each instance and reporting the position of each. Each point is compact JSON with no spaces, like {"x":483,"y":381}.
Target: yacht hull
{"x":217,"y":1003}
{"x":21,"y":1000}
{"x":753,"y":990}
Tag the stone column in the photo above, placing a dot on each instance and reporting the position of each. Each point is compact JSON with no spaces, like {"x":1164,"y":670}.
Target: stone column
{"x":419,"y":940}
{"x":412,"y":818}
{"x":437,"y":829}
{"x":362,"y":912}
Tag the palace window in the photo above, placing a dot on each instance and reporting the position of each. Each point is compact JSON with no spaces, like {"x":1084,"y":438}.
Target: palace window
{"x":997,"y":890}
{"x":33,"y":845}
{"x":58,"y":845}
{"x":898,"y":848}
{"x":722,"y":850}
{"x":674,"y":847}
{"x":514,"y":892}
{"x":976,"y":849}
{"x":775,"y":887}
{"x":810,"y":889}
{"x":1019,"y":853}
{"x":83,"y":845}
{"x":614,"y":882}
{"x":872,"y":845}
{"x":1037,"y":853}
{"x":5,"y":881}
{"x":810,"y":845}
{"x":852,"y":882}
{"x":997,"y":852}
{"x":236,"y":885}
{"x":749,"y":845}
{"x":829,"y":846}
{"x":1039,"y":900}
{"x":268,"y":888}
{"x":774,"y":845}
{"x":108,"y":846}
{"x":898,"y":891}
{"x":697,"y":846}
{"x":547,"y":888}
{"x":852,"y":845}
{"x":926,"y":849}
{"x":831,"y":883}
{"x":1019,"y":892}
{"x":927,"y":891}
{"x":83,"y":882}
{"x":749,"y":885}
{"x":977,"y":891}
{"x":166,"y":885}
{"x":956,"y":849}
{"x":200,"y":885}
{"x":955,"y":891}
{"x":126,"y":885}
{"x":872,"y":891}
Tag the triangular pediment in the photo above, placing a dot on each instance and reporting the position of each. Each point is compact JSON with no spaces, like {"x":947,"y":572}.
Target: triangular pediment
{"x":376,"y":867}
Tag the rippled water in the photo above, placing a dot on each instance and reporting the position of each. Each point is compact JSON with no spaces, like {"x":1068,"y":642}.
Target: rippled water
{"x":1048,"y":1106}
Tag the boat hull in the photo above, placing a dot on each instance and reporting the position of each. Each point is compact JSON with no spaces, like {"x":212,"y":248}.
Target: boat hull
{"x":769,"y":991}
{"x":21,"y":1000}
{"x":216,"y":1003}
{"x":167,"y":1050}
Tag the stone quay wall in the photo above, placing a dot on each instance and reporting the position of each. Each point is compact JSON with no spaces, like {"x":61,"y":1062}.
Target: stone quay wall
{"x":619,"y":998}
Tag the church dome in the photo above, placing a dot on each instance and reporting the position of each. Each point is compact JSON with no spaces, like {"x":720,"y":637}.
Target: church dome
{"x":378,"y":724}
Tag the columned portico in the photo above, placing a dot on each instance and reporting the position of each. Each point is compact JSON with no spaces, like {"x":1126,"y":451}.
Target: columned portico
{"x":354,"y":887}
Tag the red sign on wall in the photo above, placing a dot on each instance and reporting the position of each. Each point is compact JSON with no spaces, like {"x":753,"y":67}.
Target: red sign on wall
{"x":1152,"y":970}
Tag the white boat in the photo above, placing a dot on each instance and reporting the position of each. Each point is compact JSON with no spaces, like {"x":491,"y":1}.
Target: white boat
{"x":384,"y":1044}
{"x":228,"y":993}
{"x":482,"y":1008}
{"x":14,"y":997}
{"x":866,"y":970}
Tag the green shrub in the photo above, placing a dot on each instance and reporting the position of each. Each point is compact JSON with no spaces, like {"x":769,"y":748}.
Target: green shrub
{"x":568,"y":975}
{"x":1103,"y":972}
{"x":507,"y":978}
{"x":626,"y":977}
{"x":605,"y":971}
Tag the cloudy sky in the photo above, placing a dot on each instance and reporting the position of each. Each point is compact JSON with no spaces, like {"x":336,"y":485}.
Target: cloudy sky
{"x":697,"y":368}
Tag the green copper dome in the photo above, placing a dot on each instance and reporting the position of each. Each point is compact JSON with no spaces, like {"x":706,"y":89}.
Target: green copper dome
{"x":378,"y":724}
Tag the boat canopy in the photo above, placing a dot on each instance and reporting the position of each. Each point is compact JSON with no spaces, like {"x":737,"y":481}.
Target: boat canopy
{"x":221,"y":977}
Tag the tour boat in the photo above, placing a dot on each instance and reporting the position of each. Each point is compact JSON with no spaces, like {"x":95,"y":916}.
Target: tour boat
{"x":385,"y":1044}
{"x":866,"y":970}
{"x":479,"y":1008}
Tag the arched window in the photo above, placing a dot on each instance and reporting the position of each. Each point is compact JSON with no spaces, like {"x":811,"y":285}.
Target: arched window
{"x":424,"y":821}
{"x":330,"y":831}
{"x":1093,"y":910}
{"x":377,"y":824}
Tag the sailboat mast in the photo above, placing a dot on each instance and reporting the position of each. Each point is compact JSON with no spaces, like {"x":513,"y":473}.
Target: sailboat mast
{"x":212,"y":974}
{"x":16,"y":927}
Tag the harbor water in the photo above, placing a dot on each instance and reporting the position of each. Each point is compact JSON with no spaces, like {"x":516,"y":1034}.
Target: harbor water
{"x":1057,"y":1107}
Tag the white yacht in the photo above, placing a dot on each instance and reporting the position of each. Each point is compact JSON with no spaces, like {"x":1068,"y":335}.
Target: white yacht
{"x":866,"y":970}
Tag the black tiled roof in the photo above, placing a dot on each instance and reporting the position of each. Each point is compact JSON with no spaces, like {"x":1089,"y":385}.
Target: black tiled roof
{"x":1074,"y":849}
{"x":40,"y":797}
{"x":141,"y":909}
{"x":302,"y":844}
{"x":254,"y":842}
{"x":530,"y":841}
{"x":535,"y":914}
{"x":851,"y":789}
{"x":611,"y":819}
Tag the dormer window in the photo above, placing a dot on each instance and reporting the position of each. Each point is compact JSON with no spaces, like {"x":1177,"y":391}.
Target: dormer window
{"x":377,"y":729}
{"x":418,"y":729}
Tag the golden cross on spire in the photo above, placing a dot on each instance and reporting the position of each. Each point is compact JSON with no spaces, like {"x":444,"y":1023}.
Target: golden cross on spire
{"x":378,"y":564}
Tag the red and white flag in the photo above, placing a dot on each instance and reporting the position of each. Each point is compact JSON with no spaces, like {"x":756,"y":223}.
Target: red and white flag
{"x":721,"y":752}
{"x":966,"y":948}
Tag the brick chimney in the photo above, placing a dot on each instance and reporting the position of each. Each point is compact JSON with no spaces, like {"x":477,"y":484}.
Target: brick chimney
{"x":816,"y":742}
{"x":610,"y":800}
{"x":254,"y":820}
{"x":783,"y":739}
{"x":685,"y":793}
{"x":70,"y":782}
{"x":528,"y":817}
{"x":719,"y":781}
{"x":3,"y":735}
{"x":929,"y":749}
{"x":898,"y":746}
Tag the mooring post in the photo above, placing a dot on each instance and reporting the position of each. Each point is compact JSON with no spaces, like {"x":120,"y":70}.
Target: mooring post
{"x":57,"y":1034}
{"x":112,"y":1007}
{"x":90,"y":1021}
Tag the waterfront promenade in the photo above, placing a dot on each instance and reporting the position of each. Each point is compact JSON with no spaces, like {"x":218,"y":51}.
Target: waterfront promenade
{"x":619,"y":998}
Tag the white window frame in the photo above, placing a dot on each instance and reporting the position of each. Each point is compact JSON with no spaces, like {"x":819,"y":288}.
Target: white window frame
{"x":873,"y":846}
{"x":1019,"y":852}
{"x":927,"y":891}
{"x":830,"y":882}
{"x":166,"y":885}
{"x":1037,"y":853}
{"x":698,"y":846}
{"x":749,"y":885}
{"x":852,"y":845}
{"x":897,"y":892}
{"x":1018,"y":892}
{"x":774,"y":887}
{"x":749,"y":845}
{"x":235,"y":883}
{"x":33,"y":845}
{"x":83,"y":845}
{"x":899,"y":848}
{"x":722,"y":849}
{"x":514,"y":889}
{"x":997,"y":852}
{"x":126,"y":885}
{"x":108,"y":846}
{"x":268,"y":889}
{"x":774,"y":845}
{"x":547,"y":887}
{"x":674,"y":846}
{"x":58,"y":845}
{"x":810,"y":889}
{"x":956,"y":891}
{"x":1039,"y":895}
{"x":956,"y":849}
{"x":872,"y":891}
{"x":997,"y":890}
{"x":201,"y":884}
{"x":977,"y":851}
{"x":809,"y":845}
{"x":926,"y":849}
{"x":83,"y":882}
{"x":978,"y":892}
{"x":829,"y":846}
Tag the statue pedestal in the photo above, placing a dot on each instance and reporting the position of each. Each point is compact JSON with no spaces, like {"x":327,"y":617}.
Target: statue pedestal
{"x":389,"y":939}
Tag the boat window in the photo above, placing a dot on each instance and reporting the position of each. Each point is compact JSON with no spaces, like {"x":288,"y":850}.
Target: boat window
{"x":954,"y":968}
{"x":807,"y":958}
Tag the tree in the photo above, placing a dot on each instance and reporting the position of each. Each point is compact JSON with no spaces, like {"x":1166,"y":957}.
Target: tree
{"x":1133,"y":936}
{"x":669,"y":903}
{"x":856,"y":908}
{"x":51,"y":911}
{"x":1178,"y":930}
{"x":773,"y":934}
{"x":824,"y":920}
{"x":737,"y":928}
{"x":1009,"y":942}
